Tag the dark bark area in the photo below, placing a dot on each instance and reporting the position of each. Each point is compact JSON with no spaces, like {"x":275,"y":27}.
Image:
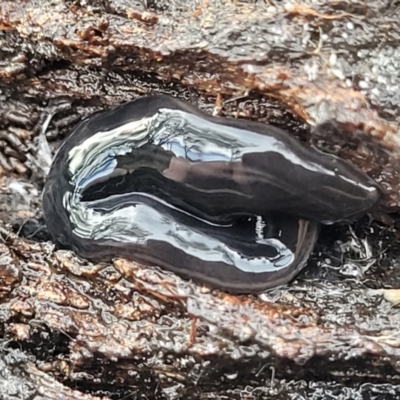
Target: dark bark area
{"x":328,"y":73}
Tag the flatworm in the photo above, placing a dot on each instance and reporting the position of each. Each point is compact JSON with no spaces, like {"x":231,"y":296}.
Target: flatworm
{"x":231,"y":203}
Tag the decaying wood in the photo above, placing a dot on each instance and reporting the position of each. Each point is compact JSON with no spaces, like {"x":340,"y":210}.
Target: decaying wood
{"x":141,"y":321}
{"x":334,"y":61}
{"x":327,"y":71}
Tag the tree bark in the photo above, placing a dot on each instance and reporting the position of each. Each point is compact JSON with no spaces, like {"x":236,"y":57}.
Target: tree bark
{"x":328,"y":72}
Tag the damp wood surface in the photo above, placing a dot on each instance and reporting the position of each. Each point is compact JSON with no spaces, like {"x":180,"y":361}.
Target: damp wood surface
{"x":328,"y":72}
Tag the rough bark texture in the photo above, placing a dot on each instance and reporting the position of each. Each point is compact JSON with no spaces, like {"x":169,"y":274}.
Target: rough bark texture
{"x":329,"y":72}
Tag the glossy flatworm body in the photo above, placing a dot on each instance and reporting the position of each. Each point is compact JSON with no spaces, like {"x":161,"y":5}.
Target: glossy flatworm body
{"x":232,"y":203}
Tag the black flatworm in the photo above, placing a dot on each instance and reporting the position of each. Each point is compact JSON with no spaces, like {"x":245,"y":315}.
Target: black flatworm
{"x":232,"y":203}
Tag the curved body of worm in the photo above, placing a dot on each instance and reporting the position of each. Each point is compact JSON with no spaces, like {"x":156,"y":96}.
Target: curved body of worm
{"x":231,"y":203}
